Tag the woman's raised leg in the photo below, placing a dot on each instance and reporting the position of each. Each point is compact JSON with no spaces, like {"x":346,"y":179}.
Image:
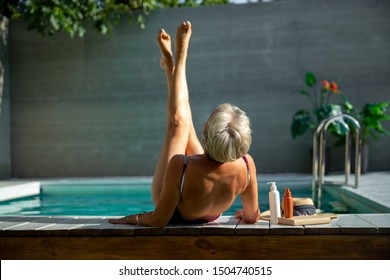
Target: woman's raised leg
{"x":180,"y":125}
{"x":167,"y":63}
{"x":181,"y":48}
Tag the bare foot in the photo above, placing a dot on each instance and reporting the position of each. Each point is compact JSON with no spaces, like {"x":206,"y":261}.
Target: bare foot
{"x":183,"y":35}
{"x":164,"y":43}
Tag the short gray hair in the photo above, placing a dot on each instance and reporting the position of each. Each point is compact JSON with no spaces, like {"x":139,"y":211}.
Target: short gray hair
{"x":227,"y":134}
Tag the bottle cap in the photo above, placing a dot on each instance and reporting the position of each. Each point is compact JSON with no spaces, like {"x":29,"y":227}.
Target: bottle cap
{"x":287,"y":192}
{"x":273,"y":186}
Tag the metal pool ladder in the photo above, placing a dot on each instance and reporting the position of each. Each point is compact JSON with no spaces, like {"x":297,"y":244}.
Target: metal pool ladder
{"x":318,"y":167}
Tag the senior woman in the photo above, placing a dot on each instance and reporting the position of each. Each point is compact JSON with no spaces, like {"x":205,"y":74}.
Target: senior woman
{"x":194,"y":183}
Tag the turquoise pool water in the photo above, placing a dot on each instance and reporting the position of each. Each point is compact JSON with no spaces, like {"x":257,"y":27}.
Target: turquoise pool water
{"x":116,"y":199}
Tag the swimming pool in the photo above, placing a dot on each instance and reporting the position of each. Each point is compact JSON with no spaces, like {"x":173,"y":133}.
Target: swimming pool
{"x":117,"y":197}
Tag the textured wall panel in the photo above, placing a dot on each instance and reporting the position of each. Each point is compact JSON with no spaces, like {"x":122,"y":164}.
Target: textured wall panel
{"x":96,"y":107}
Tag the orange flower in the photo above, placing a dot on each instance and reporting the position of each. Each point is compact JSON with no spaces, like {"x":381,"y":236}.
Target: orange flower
{"x":326,"y":85}
{"x":334,"y":87}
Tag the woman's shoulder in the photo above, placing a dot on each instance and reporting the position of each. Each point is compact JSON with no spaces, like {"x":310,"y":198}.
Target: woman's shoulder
{"x":250,"y":162}
{"x":248,"y":157}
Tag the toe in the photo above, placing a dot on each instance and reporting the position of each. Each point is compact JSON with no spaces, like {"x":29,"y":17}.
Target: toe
{"x":165,"y":36}
{"x":187,"y":25}
{"x":161,"y":33}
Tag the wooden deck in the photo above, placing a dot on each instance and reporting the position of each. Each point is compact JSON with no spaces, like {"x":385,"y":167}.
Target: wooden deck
{"x":358,"y":236}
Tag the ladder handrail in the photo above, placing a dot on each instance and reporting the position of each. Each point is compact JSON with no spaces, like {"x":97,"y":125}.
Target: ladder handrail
{"x":318,"y":164}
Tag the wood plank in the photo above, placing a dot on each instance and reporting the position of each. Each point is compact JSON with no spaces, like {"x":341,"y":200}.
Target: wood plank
{"x":276,"y":229}
{"x":11,"y":218}
{"x":89,"y":226}
{"x":108,"y":229}
{"x":260,"y":228}
{"x":352,"y":224}
{"x":61,"y":226}
{"x":16,"y":222}
{"x":380,"y":221}
{"x":32,"y":228}
{"x":325,"y":229}
{"x":117,"y":229}
{"x":183,"y":229}
{"x":144,"y":230}
{"x":311,"y":247}
{"x":224,"y":225}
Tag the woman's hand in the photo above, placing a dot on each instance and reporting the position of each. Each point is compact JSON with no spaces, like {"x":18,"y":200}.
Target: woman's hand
{"x":131,"y":219}
{"x":239,"y":214}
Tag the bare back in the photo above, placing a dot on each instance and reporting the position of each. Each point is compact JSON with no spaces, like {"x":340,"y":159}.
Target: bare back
{"x":211,"y":187}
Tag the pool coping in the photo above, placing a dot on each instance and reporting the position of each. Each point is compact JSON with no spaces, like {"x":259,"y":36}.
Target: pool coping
{"x":344,"y":224}
{"x":362,"y":236}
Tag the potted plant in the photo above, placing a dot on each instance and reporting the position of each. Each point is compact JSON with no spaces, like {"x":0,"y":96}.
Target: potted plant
{"x":304,"y":119}
{"x":370,"y":117}
{"x":321,"y":108}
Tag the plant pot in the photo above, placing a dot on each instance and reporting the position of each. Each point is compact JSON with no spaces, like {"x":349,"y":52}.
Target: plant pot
{"x":363,"y":161}
{"x":328,"y":159}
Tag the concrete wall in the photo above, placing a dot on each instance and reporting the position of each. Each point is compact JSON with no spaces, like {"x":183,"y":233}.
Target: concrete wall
{"x":5,"y":141}
{"x":96,"y":107}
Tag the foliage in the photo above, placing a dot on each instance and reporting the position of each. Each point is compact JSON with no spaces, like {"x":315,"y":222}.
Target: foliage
{"x":190,"y":3}
{"x":49,"y":17}
{"x":304,"y":120}
{"x":72,"y":16}
{"x":369,"y":117}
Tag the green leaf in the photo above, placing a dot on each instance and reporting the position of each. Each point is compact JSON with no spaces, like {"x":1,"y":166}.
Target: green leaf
{"x":46,"y":10}
{"x":327,"y":111}
{"x":338,"y":127}
{"x":310,"y":79}
{"x":347,"y":105}
{"x":82,"y":32}
{"x":301,"y":122}
{"x":104,"y":29}
{"x":54,"y":22}
{"x":384,"y":106}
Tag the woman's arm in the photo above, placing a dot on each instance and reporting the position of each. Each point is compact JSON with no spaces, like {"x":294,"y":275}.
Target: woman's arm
{"x":249,"y":198}
{"x":169,"y":199}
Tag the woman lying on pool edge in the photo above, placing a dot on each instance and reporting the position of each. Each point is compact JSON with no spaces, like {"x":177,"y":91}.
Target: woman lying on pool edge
{"x":194,"y":183}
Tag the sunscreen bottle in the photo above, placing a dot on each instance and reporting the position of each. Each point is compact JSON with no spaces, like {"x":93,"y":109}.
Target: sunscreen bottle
{"x":274,"y":203}
{"x":288,"y":204}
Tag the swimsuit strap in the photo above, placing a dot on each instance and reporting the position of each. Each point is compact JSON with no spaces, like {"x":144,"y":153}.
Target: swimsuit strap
{"x":247,"y":167}
{"x":183,"y":175}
